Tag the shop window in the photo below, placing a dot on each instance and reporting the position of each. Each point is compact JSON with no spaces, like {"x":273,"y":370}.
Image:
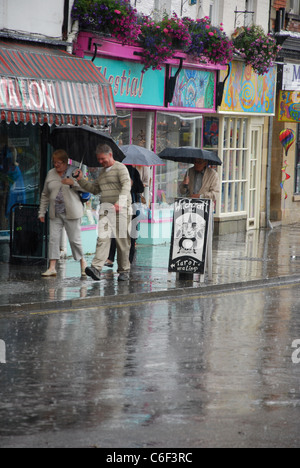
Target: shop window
{"x":210,"y":133}
{"x":19,"y":168}
{"x":174,"y":130}
{"x":297,"y":178}
{"x":234,"y":168}
{"x":120,"y":129}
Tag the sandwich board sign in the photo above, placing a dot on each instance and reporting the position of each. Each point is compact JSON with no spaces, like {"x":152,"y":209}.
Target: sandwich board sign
{"x":191,"y":236}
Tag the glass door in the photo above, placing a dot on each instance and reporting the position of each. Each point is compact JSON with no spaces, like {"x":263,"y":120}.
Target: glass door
{"x":254,"y":177}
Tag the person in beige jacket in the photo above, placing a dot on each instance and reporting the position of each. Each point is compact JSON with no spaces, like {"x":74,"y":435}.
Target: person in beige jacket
{"x":60,"y":195}
{"x":200,"y":181}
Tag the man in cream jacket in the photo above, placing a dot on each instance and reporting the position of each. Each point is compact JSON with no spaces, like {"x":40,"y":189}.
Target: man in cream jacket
{"x":200,"y":182}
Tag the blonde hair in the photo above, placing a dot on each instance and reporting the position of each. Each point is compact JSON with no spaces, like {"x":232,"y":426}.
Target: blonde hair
{"x":61,"y":155}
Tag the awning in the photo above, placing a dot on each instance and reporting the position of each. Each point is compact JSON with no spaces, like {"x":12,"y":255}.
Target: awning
{"x":41,"y":85}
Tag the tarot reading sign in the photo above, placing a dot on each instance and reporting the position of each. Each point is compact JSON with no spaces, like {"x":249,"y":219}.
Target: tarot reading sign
{"x":189,"y":235}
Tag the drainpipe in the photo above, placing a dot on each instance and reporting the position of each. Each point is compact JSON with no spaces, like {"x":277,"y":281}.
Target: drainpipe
{"x":65,"y":25}
{"x":269,"y":166}
{"x":69,"y":37}
{"x":72,"y":36}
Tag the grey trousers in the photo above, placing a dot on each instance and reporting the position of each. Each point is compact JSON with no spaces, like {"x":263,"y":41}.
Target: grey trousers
{"x":73,"y":230}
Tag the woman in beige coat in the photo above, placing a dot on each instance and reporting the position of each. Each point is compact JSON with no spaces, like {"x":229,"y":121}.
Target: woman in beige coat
{"x":60,"y":195}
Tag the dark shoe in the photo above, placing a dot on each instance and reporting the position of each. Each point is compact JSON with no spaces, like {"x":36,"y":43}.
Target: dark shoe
{"x":93,"y":273}
{"x":108,"y":264}
{"x":123,"y":276}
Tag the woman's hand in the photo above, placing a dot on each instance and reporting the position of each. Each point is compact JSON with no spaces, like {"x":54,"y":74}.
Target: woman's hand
{"x":68,"y":181}
{"x":42,"y":219}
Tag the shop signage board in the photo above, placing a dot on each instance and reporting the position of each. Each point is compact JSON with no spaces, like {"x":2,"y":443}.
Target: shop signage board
{"x":291,"y":77}
{"x":190,"y":232}
{"x":27,"y":94}
{"x":289,"y":106}
{"x":247,"y":92}
{"x":130,"y":85}
{"x":195,"y":89}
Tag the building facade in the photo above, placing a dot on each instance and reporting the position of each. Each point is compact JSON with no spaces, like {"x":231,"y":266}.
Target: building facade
{"x":42,"y":85}
{"x":238,"y":128}
{"x":285,"y":172}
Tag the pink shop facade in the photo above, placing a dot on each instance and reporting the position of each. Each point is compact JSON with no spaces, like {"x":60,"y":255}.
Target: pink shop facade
{"x":153,"y":114}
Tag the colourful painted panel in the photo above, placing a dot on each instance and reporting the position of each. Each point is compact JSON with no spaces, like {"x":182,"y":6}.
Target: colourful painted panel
{"x":130,"y":85}
{"x":245,"y":91}
{"x":195,"y":89}
{"x":289,"y":106}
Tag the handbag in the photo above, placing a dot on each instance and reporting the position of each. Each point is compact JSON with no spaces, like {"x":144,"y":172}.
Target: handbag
{"x":84,"y":197}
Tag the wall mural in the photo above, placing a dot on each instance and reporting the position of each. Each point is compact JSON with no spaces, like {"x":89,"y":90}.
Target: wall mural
{"x":289,"y":106}
{"x":194,"y":89}
{"x":245,"y":91}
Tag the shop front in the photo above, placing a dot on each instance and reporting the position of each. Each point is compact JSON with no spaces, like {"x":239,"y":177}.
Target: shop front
{"x":149,"y":116}
{"x":41,"y":88}
{"x":153,"y":115}
{"x":249,"y":100}
{"x":286,"y":164}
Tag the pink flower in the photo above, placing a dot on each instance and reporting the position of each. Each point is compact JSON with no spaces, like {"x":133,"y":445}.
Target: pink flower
{"x":118,"y":12}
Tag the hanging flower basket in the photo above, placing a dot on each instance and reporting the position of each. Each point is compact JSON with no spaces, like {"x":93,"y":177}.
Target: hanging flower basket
{"x":256,"y":48}
{"x":115,"y":17}
{"x":208,"y":43}
{"x":161,"y":39}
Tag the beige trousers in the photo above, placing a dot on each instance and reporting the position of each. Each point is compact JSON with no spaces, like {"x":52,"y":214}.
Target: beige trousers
{"x":117,"y":226}
{"x":73,"y":230}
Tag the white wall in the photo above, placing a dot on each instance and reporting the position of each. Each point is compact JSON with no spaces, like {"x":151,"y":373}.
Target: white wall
{"x":225,"y":9}
{"x":43,"y":17}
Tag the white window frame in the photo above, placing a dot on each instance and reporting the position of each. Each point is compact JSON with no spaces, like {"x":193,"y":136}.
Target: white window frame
{"x":214,"y":12}
{"x":295,"y":7}
{"x":232,"y":148}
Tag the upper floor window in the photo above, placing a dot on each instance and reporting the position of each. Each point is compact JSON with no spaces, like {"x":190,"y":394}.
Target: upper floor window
{"x":249,"y":13}
{"x":245,"y":18}
{"x":295,"y":7}
{"x":214,"y":12}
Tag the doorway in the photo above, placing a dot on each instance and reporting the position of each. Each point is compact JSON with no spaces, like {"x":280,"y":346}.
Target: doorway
{"x":254,"y":177}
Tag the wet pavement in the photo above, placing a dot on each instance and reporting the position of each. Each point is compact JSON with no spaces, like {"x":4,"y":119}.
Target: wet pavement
{"x":157,"y":361}
{"x":210,"y":371}
{"x":256,"y":256}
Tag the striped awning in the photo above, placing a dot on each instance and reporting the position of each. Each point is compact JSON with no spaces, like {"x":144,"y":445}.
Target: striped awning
{"x":41,"y":85}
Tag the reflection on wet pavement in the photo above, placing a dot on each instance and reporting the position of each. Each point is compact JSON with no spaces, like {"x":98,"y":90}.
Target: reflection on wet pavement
{"x":212,"y":371}
{"x":237,"y":257}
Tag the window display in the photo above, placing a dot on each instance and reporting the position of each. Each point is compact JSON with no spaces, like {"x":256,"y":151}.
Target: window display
{"x":19,"y":168}
{"x":174,"y":130}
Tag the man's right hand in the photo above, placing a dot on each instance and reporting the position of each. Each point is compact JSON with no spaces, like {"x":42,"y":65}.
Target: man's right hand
{"x":77,"y":174}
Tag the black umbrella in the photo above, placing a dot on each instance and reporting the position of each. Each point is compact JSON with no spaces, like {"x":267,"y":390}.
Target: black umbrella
{"x":188,"y":154}
{"x":140,"y":156}
{"x":81,"y":142}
